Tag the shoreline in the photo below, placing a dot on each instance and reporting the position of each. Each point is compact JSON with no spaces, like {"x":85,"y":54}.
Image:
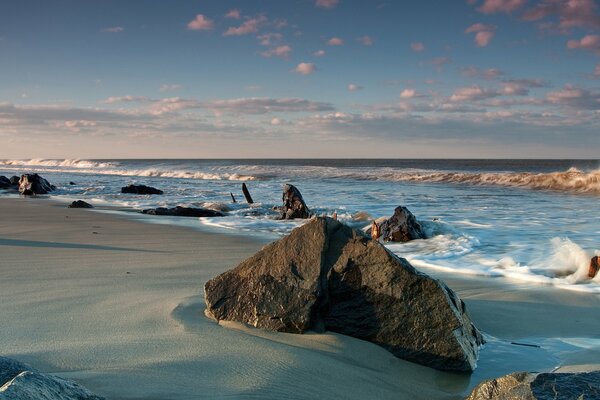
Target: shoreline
{"x":121,"y":312}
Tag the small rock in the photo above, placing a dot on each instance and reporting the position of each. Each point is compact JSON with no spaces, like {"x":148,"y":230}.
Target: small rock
{"x":293,"y":204}
{"x":183,"y":212}
{"x":72,"y":183}
{"x":80,"y":204}
{"x":400,"y":227}
{"x":594,"y":267}
{"x":140,"y":189}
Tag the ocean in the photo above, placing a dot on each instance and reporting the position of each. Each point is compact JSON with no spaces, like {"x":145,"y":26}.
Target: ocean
{"x":527,"y":222}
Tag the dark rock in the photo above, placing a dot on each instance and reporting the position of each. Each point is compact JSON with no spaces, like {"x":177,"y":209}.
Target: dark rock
{"x":30,"y":385}
{"x":594,"y":267}
{"x":293,"y":204}
{"x":10,"y":368}
{"x":72,"y":183}
{"x":80,"y":204}
{"x":14,"y":180}
{"x":32,"y":184}
{"x":140,"y":189}
{"x":325,"y":275}
{"x":401,"y":227}
{"x":5,"y":183}
{"x":546,"y":386}
{"x":183,"y":212}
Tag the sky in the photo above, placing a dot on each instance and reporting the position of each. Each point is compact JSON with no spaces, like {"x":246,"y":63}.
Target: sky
{"x":299,"y":79}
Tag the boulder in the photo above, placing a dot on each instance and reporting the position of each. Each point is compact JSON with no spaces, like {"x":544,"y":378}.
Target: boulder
{"x":594,"y":267}
{"x":183,"y":212}
{"x":80,"y":204}
{"x":14,"y":180}
{"x":5,"y":183}
{"x":10,"y":368}
{"x":30,"y":385}
{"x":293,"y":204}
{"x":326,"y":276}
{"x":545,"y":386}
{"x":140,"y":189}
{"x":401,"y":227}
{"x":32,"y":184}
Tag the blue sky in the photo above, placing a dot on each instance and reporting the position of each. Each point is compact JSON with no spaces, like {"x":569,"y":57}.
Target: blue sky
{"x":300,"y":78}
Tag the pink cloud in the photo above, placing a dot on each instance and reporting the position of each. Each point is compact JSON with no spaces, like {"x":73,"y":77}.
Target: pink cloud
{"x":353,"y":87}
{"x":483,"y":33}
{"x":279,"y":51}
{"x":575,"y":97}
{"x":335,"y":41}
{"x":319,"y":53}
{"x":472,"y":93}
{"x":249,"y":26}
{"x":571,"y":14}
{"x":499,"y":6}
{"x":234,"y":14}
{"x":326,"y":3}
{"x":269,"y":39}
{"x":489,"y":73}
{"x":417,"y":47}
{"x":200,"y":23}
{"x":305,"y":68}
{"x":408,"y":93}
{"x":588,"y":43}
{"x":366,"y":40}
{"x":114,"y":29}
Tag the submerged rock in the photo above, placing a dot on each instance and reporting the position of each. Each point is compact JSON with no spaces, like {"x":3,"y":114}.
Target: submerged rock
{"x":32,"y":184}
{"x":327,"y":276}
{"x":400,"y":227}
{"x":546,"y":386}
{"x":80,"y":204}
{"x":183,"y":212}
{"x":30,"y":385}
{"x":140,"y":189}
{"x":293,"y":204}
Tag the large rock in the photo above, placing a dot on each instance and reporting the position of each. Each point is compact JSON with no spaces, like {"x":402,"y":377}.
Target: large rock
{"x":10,"y":368}
{"x":32,"y":184}
{"x":30,"y":385}
{"x":327,"y":276}
{"x":5,"y":183}
{"x":140,"y":189}
{"x":80,"y":204}
{"x":546,"y":386}
{"x":183,"y":212}
{"x":14,"y":180}
{"x":401,"y":227}
{"x":293,"y":204}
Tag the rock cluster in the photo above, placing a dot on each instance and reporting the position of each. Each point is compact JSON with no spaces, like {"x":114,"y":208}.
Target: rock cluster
{"x":327,"y":276}
{"x":32,"y":184}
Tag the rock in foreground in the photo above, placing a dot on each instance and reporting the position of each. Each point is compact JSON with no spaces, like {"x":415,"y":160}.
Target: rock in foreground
{"x":80,"y":204}
{"x":293,"y":204}
{"x":547,"y":386}
{"x":325,"y":275}
{"x":401,"y":227}
{"x":10,"y":368}
{"x":32,"y":184}
{"x":183,"y":212}
{"x":140,"y":189}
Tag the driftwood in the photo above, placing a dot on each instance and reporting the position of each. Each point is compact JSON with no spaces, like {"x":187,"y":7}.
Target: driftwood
{"x":232,"y":197}
{"x":375,"y":232}
{"x":247,"y":194}
{"x":594,"y":267}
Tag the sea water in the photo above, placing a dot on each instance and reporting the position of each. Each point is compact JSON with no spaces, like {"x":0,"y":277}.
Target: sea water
{"x":524,"y":221}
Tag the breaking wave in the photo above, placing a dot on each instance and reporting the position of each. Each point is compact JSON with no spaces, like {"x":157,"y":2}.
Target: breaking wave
{"x":73,"y":163}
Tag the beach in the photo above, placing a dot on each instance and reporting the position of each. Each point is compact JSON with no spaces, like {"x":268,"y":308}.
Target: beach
{"x":117,"y":305}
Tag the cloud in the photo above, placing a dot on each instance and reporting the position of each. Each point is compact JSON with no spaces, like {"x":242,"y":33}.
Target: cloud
{"x":251,"y":25}
{"x":305,"y":68}
{"x":114,"y":29}
{"x":473,"y":93}
{"x":326,"y":3}
{"x":319,"y":53}
{"x":589,"y":43}
{"x":571,"y":14}
{"x":269,"y":39}
{"x":233,"y":14}
{"x":488,"y":74}
{"x":261,"y":105}
{"x":335,"y":41}
{"x":417,"y":47}
{"x":353,"y":87}
{"x":125,"y":99}
{"x":500,"y":6}
{"x":439,"y":62}
{"x":408,"y":93}
{"x":575,"y":97}
{"x":483,"y":33}
{"x":283,"y":51}
{"x":170,"y":88}
{"x":366,"y":40}
{"x":200,"y":23}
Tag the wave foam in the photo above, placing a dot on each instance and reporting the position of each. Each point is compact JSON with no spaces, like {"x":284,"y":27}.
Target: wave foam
{"x":73,"y":163}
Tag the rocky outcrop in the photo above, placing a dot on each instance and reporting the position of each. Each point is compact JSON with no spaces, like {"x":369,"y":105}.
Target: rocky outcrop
{"x":327,"y":276}
{"x":400,"y":227}
{"x":32,"y":184}
{"x":80,"y":204}
{"x":14,"y":180}
{"x":546,"y":386}
{"x":5,"y":183}
{"x":140,"y":189}
{"x":183,"y":212}
{"x":19,"y":381}
{"x":293,"y":204}
{"x":594,"y":267}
